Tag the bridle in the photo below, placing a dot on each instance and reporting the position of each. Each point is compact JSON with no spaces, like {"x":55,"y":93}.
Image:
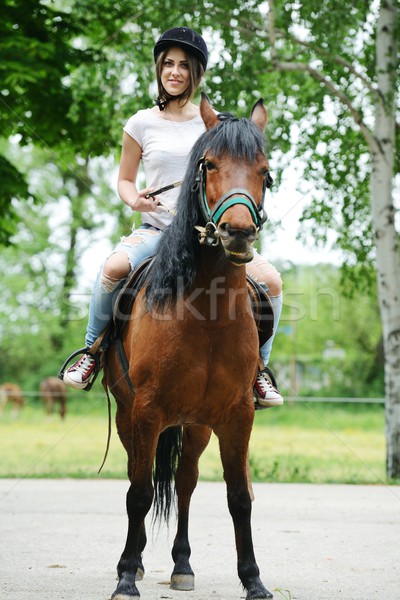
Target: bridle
{"x":208,"y":234}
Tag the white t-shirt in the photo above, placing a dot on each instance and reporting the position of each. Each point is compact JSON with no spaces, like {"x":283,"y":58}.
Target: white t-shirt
{"x":166,"y":146}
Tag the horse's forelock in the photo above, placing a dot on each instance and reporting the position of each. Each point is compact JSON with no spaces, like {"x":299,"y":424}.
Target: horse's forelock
{"x":237,"y":138}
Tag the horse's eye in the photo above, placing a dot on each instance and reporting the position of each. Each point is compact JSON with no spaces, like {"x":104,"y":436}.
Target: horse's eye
{"x":210,"y":166}
{"x":268,"y":179}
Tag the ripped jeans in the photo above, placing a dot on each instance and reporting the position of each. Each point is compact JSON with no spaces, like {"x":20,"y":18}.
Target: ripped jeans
{"x":146,"y":241}
{"x":102,"y":300}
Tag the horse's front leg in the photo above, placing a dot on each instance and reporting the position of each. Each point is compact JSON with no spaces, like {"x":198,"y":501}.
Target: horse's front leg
{"x":195,"y":440}
{"x":138,"y":503}
{"x":234,"y":441}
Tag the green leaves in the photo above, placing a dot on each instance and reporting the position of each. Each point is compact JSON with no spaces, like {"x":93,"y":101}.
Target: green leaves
{"x":13,"y":186}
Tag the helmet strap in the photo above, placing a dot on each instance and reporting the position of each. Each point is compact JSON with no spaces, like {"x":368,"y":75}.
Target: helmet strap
{"x":161,"y":103}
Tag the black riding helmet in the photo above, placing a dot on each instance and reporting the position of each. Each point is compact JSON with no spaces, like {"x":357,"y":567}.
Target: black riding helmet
{"x":186,"y":38}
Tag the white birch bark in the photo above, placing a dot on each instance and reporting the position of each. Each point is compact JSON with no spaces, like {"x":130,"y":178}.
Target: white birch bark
{"x":386,"y":237}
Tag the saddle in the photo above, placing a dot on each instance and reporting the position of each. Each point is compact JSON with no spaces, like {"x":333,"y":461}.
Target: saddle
{"x":260,"y":302}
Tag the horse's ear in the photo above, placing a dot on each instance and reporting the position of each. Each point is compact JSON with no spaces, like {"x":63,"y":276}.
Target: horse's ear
{"x":207,"y":113}
{"x":259,"y":114}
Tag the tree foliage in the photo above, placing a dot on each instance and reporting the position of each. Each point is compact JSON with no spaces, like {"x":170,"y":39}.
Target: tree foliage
{"x":36,"y":58}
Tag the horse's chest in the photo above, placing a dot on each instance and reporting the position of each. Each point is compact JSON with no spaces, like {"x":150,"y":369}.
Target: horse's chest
{"x":197,"y":360}
{"x":219,"y":335}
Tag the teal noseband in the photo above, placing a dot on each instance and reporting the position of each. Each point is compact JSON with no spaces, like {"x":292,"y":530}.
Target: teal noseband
{"x":234,"y":196}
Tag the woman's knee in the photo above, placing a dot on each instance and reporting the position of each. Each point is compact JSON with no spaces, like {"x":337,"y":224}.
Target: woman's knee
{"x":272,"y":278}
{"x":117,"y":266}
{"x":264,"y":272}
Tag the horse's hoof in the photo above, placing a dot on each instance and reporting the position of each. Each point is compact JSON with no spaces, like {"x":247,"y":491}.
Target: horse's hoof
{"x":183,"y":583}
{"x":261,"y":594}
{"x":126,"y":588}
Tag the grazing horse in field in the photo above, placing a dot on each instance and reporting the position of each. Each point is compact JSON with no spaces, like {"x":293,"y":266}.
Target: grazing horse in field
{"x":11,"y":392}
{"x":54,"y":391}
{"x":190,"y":350}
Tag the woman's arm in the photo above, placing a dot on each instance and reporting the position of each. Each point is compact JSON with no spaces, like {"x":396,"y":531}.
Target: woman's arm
{"x":128,"y":170}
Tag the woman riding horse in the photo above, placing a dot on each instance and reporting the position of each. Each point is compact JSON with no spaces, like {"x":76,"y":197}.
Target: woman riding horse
{"x":191,"y":350}
{"x":162,"y":137}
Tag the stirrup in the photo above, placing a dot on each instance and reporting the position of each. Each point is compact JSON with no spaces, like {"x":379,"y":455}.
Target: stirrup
{"x":97,"y":367}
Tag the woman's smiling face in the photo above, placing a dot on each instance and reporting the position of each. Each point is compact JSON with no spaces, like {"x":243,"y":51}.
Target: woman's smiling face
{"x":175,"y":74}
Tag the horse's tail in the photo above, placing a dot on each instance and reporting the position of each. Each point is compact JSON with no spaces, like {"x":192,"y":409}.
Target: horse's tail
{"x":165,"y":466}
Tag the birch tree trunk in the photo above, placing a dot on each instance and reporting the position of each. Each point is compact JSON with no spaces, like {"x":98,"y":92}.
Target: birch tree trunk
{"x":386,"y":237}
{"x":381,"y":142}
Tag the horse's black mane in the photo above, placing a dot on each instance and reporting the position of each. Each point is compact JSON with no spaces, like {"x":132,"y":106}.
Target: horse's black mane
{"x":174,"y":266}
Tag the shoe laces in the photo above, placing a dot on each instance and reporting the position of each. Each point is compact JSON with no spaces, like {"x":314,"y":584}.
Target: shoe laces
{"x":264,"y":382}
{"x":84,"y":364}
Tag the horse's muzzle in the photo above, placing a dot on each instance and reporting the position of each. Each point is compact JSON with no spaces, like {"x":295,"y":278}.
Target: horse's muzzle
{"x":237,"y":242}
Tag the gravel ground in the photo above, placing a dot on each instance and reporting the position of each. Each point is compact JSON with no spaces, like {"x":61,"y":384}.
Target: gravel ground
{"x":63,"y":538}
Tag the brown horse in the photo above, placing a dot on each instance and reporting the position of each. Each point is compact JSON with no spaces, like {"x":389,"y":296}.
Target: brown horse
{"x":11,"y":392}
{"x":191,"y":350}
{"x":54,"y":391}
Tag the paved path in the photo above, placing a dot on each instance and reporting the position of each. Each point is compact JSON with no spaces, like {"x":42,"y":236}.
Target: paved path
{"x":61,"y":539}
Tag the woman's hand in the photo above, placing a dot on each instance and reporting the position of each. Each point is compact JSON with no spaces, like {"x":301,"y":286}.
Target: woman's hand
{"x":143,"y":204}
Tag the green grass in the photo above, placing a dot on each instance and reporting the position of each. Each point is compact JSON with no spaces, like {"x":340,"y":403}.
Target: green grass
{"x":299,"y":442}
{"x":314,"y":443}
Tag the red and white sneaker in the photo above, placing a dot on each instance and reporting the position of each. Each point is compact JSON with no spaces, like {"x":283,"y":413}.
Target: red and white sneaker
{"x":78,"y":376}
{"x":266,"y":394}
